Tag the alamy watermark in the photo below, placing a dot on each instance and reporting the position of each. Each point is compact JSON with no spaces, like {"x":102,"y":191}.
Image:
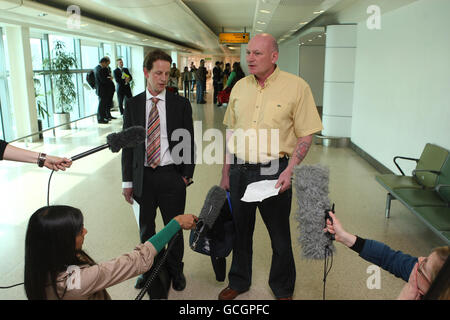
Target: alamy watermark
{"x":374,"y":280}
{"x":74,"y":17}
{"x":373,"y":22}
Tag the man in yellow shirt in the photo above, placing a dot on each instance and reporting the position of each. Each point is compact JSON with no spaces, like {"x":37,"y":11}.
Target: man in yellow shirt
{"x":275,"y":112}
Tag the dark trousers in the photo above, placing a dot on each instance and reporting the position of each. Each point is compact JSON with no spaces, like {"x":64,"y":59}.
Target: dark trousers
{"x":165,"y":189}
{"x":121,"y":97}
{"x":103,"y":102}
{"x":199,"y":91}
{"x":217,"y":87}
{"x":275,"y":212}
{"x":187,"y":90}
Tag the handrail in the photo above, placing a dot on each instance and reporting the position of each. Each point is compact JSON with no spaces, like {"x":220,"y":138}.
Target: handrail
{"x":51,"y":128}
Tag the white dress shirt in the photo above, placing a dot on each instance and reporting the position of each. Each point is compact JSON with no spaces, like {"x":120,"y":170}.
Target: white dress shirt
{"x":165,"y":156}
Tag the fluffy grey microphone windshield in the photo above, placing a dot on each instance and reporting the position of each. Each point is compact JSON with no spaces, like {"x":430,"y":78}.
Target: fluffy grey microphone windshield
{"x":128,"y":138}
{"x":311,"y":187}
{"x":212,"y":206}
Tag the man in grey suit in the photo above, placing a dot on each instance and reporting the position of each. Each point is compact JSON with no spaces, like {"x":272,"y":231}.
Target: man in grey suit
{"x":153,"y":173}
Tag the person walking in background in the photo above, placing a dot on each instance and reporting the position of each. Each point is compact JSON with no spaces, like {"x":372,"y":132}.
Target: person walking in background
{"x":174,"y":77}
{"x":186,"y":82}
{"x":193,"y":71}
{"x":103,"y":83}
{"x":200,"y":77}
{"x":217,"y":81}
{"x":111,"y":91}
{"x":123,"y":78}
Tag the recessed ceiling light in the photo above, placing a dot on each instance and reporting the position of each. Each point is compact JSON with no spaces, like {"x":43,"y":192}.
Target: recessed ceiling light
{"x":309,"y":40}
{"x":258,"y":30}
{"x":144,"y":39}
{"x":302,"y":23}
{"x":264,"y":11}
{"x":317,"y":12}
{"x":110,"y":31}
{"x":84,"y":25}
{"x":42,"y":14}
{"x":260,"y":22}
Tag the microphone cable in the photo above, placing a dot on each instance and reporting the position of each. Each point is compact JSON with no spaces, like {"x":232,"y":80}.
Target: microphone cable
{"x":155,"y":271}
{"x":326,"y":269}
{"x":14,"y":285}
{"x":328,"y":253}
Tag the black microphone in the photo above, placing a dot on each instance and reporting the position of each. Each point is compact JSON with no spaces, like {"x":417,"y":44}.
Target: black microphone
{"x":212,"y":207}
{"x":128,"y":138}
{"x":311,"y":186}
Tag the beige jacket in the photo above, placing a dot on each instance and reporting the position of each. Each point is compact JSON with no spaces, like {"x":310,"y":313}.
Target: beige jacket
{"x":89,"y":282}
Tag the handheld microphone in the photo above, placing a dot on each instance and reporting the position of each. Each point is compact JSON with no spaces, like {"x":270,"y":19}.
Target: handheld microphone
{"x":212,"y":207}
{"x":128,"y":138}
{"x":311,"y":184}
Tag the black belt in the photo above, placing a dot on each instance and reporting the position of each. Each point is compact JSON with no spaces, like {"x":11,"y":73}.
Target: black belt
{"x":254,"y":166}
{"x":169,"y":167}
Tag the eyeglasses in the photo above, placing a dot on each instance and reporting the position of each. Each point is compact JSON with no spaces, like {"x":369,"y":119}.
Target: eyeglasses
{"x":421,"y":272}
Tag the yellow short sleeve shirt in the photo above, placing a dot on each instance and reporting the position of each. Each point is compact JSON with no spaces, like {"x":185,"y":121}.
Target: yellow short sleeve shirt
{"x":267,"y":121}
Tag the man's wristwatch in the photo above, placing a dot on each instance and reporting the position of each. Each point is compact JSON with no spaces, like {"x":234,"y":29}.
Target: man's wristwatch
{"x":41,"y":159}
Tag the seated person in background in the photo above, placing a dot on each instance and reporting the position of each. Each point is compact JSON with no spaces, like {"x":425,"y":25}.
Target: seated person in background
{"x":56,"y":267}
{"x":420,"y":273}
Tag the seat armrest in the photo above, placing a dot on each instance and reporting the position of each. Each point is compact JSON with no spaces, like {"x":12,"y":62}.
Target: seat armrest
{"x":404,"y":158}
{"x":438,"y":190}
{"x":423,"y":170}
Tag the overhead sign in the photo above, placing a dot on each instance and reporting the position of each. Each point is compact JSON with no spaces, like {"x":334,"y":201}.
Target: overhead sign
{"x":229,"y":37}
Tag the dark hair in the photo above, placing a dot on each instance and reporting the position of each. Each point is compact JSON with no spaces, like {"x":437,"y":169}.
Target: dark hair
{"x":153,"y":56}
{"x":217,"y":63}
{"x":105,"y":59}
{"x":440,"y":288}
{"x":50,"y":247}
{"x":239,"y":73}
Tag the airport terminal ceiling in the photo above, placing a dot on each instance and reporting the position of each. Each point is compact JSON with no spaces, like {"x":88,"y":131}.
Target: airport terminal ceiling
{"x":190,"y":26}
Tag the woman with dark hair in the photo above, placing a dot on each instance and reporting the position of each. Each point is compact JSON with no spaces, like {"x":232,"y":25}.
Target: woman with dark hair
{"x":56,"y":267}
{"x":235,"y":75}
{"x":426,"y":277}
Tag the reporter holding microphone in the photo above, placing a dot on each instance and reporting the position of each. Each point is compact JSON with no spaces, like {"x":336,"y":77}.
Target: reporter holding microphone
{"x":56,"y":267}
{"x":425,"y":276}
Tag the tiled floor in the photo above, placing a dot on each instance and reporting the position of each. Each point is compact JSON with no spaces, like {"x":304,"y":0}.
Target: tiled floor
{"x":93,"y":184}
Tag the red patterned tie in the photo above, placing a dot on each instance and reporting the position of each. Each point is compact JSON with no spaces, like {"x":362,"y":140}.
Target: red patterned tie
{"x":153,"y":136}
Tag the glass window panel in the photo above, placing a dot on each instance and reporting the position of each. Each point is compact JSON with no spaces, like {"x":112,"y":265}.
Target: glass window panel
{"x":89,"y":57}
{"x":36,"y":53}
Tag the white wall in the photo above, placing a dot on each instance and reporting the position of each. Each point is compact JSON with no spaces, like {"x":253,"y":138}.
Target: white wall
{"x":402,"y":82}
{"x":311,"y":64}
{"x":288,"y":57}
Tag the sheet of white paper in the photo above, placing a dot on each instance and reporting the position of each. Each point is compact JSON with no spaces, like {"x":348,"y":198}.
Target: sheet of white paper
{"x":258,"y":191}
{"x":136,"y":211}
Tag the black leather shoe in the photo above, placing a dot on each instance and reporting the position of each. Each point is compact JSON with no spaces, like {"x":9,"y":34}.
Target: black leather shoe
{"x":179,"y":282}
{"x":103,"y":121}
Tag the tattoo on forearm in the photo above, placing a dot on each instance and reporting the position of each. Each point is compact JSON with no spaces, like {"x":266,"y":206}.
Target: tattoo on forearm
{"x":301,"y":150}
